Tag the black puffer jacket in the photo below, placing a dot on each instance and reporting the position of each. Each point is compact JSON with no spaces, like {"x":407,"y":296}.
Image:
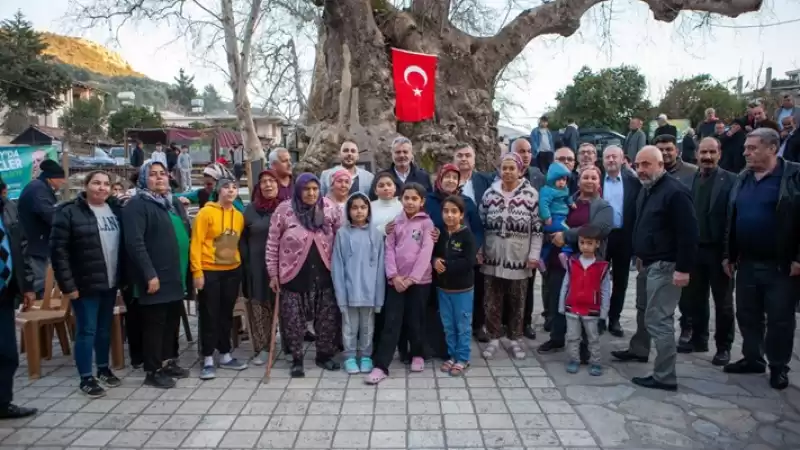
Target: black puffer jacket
{"x":76,"y":252}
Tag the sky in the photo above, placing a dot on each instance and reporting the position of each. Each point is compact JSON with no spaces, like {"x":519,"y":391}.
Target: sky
{"x":728,"y":48}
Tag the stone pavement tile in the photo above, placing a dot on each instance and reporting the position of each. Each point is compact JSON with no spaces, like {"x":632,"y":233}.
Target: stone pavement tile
{"x":167,"y":439}
{"x":285,"y":423}
{"x":487,"y":393}
{"x":382,"y":408}
{"x":114,"y":421}
{"x":95,"y":438}
{"x":576,"y":438}
{"x":500,"y":438}
{"x":566,"y":421}
{"x":496,"y":421}
{"x":245,"y":383}
{"x":421,"y":383}
{"x":391,"y":423}
{"x":391,"y":395}
{"x":266,"y":395}
{"x":297,"y":395}
{"x":329,"y":395}
{"x":291,"y":408}
{"x":277,"y":439}
{"x":460,"y":421}
{"x":181,"y":422}
{"x":240,"y":439}
{"x":147,"y":393}
{"x":206,"y":394}
{"x":131,"y":407}
{"x":355,"y":423}
{"x":241,"y":395}
{"x":320,"y":423}
{"x":539,"y":438}
{"x":314,"y":439}
{"x":388,"y":439}
{"x":127,"y":438}
{"x":464,"y":438}
{"x":226,"y":407}
{"x":457,"y":394}
{"x":393,"y":383}
{"x":251,"y":423}
{"x":81,"y":420}
{"x":40,"y":403}
{"x":100,"y":405}
{"x":203,"y":439}
{"x":481,"y":382}
{"x":58,"y":392}
{"x":425,"y":439}
{"x":195,"y":407}
{"x":258,"y":408}
{"x":359,"y":395}
{"x":510,"y":382}
{"x":546,"y":394}
{"x":25,"y":436}
{"x":119,"y":393}
{"x":425,"y":422}
{"x":351,"y":439}
{"x":451,"y":383}
{"x":217,"y":422}
{"x":60,"y":436}
{"x":456,"y":407}
{"x":69,"y":405}
{"x":324,"y":408}
{"x":556,"y":407}
{"x":539,"y":382}
{"x":162,"y":407}
{"x":149,"y":422}
{"x":424,"y":407}
{"x":48,"y":420}
{"x":358,"y":408}
{"x":516,"y":394}
{"x":489,"y":407}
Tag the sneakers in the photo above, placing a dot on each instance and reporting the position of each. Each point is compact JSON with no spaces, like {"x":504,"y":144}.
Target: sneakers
{"x":366,"y":365}
{"x":91,"y":389}
{"x":261,"y":358}
{"x":573,"y":366}
{"x":351,"y":366}
{"x":595,"y":370}
{"x":159,"y":380}
{"x":417,"y":364}
{"x":108,"y":378}
{"x":173,"y":370}
{"x":208,"y":373}
{"x":233,"y":364}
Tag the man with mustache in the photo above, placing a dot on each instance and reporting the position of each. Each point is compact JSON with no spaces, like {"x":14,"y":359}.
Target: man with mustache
{"x":711,"y":193}
{"x":665,"y":243}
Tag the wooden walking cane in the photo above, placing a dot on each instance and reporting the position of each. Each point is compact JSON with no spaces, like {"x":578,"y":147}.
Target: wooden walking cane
{"x":275,"y":312}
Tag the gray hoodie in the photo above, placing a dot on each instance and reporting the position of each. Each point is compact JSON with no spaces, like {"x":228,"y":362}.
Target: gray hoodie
{"x":359,"y":277}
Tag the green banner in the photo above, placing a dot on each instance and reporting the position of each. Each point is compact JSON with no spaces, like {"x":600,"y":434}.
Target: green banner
{"x":19,"y":164}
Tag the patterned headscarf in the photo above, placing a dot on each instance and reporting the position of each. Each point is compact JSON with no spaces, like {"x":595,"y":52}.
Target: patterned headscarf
{"x":259,"y":201}
{"x":443,"y":170}
{"x":339,"y":174}
{"x":513,"y":157}
{"x":162,"y":199}
{"x":312,"y":217}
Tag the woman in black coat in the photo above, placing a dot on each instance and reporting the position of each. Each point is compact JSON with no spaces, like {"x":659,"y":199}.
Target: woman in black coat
{"x":157,"y":245}
{"x":87,"y":259}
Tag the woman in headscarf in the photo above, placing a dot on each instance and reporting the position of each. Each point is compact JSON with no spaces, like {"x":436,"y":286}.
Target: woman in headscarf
{"x":255,"y":281}
{"x":299,"y":250}
{"x":216,"y":271}
{"x":513,"y":239}
{"x":157,"y":244}
{"x":340,"y":188}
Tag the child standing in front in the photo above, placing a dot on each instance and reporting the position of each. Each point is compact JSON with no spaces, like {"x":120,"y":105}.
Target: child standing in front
{"x":409,"y":248}
{"x":585,"y":298}
{"x":555,"y":202}
{"x":359,"y":280}
{"x":387,"y":206}
{"x":453,"y":260}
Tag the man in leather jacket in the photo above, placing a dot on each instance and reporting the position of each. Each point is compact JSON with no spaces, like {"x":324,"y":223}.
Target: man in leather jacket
{"x":763,"y":245}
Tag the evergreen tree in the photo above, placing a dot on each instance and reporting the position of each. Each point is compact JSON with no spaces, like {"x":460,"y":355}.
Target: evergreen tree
{"x":211,"y":99}
{"x":29,"y":80}
{"x":183,"y":91}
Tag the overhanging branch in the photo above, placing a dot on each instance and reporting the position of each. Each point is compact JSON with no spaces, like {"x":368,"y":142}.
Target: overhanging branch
{"x":563,"y":17}
{"x":434,"y":11}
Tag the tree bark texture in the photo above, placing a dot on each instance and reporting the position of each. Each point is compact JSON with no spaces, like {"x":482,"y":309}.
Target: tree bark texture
{"x":352,"y":94}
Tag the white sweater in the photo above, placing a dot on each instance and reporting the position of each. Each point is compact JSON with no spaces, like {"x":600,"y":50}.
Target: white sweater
{"x":383,"y":211}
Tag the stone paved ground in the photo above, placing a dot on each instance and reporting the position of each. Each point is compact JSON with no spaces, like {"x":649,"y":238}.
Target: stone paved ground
{"x":521,"y":404}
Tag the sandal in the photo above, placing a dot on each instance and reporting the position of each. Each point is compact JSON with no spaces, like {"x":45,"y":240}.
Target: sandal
{"x":417,"y":364}
{"x":458,"y":369}
{"x":447,"y":365}
{"x":376,"y":376}
{"x":489,"y":351}
{"x":515,"y":347}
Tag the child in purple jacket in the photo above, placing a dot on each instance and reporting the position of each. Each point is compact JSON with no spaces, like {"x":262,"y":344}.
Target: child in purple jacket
{"x":409,"y":248}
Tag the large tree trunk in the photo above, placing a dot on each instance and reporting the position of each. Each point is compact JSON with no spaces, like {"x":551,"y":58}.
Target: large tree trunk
{"x":352,"y":95}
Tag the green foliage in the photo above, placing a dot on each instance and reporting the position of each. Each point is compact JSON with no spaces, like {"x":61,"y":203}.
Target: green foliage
{"x":28,"y":78}
{"x":183,"y":92}
{"x":132,"y":117}
{"x":16,"y":121}
{"x":211,"y":100}
{"x":84,"y":121}
{"x":607,"y":98}
{"x":688,"y":99}
{"x":197,"y":125}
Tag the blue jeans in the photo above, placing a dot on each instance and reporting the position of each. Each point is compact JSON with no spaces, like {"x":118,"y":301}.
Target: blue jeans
{"x":455,"y":309}
{"x":93,"y":316}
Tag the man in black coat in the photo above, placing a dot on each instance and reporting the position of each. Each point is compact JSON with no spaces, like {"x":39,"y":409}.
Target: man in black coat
{"x":571,"y":137}
{"x":665,"y":244}
{"x":620,"y":189}
{"x":37,"y":203}
{"x":763,"y":245}
{"x":665,"y":128}
{"x":137,"y":156}
{"x":733,"y":147}
{"x":16,"y":279}
{"x":711,"y":196}
{"x":403,"y":169}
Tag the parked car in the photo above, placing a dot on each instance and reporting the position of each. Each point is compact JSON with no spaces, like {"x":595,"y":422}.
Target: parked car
{"x":100,"y":158}
{"x":118,"y":153}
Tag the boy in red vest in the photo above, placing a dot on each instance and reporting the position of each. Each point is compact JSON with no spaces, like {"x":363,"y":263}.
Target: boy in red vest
{"x":585,"y":298}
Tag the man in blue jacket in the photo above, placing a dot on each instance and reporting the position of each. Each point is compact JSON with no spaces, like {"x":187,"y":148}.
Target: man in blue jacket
{"x":542,"y":144}
{"x":37,"y":204}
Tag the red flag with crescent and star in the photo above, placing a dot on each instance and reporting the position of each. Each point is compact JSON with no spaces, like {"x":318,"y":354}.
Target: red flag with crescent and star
{"x":414,"y":85}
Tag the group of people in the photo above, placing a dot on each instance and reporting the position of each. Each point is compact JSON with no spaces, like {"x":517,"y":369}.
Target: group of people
{"x":368,"y":265}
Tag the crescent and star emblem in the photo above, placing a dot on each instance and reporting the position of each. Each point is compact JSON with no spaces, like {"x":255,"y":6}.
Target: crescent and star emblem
{"x":416,"y":69}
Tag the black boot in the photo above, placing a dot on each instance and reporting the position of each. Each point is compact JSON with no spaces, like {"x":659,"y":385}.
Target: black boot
{"x":297,"y":370}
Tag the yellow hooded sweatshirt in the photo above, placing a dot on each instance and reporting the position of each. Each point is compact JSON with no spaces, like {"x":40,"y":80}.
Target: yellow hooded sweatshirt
{"x":215,"y":239}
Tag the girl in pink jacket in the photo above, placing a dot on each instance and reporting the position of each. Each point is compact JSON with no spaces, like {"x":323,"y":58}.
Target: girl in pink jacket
{"x":409,"y":248}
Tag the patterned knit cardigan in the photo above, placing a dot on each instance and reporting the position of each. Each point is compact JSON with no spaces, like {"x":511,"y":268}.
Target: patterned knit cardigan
{"x":512,"y":231}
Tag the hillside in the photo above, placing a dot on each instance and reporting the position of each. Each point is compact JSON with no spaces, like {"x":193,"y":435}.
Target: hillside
{"x":88,"y":55}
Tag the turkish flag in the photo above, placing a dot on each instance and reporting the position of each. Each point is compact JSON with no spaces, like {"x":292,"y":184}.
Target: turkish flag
{"x":414,"y":85}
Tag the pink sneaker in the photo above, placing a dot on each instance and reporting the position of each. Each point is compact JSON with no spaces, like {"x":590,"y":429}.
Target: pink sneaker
{"x":375,"y":377}
{"x":417,"y":364}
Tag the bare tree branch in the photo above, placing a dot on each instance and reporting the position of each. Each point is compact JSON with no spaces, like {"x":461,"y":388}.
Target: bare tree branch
{"x":563,"y":17}
{"x":433,"y":11}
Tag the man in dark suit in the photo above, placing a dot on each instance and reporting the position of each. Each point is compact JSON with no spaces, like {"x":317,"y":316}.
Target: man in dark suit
{"x":403,"y":169}
{"x":16,"y":280}
{"x":620,"y":189}
{"x":571,"y":136}
{"x":711,"y":192}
